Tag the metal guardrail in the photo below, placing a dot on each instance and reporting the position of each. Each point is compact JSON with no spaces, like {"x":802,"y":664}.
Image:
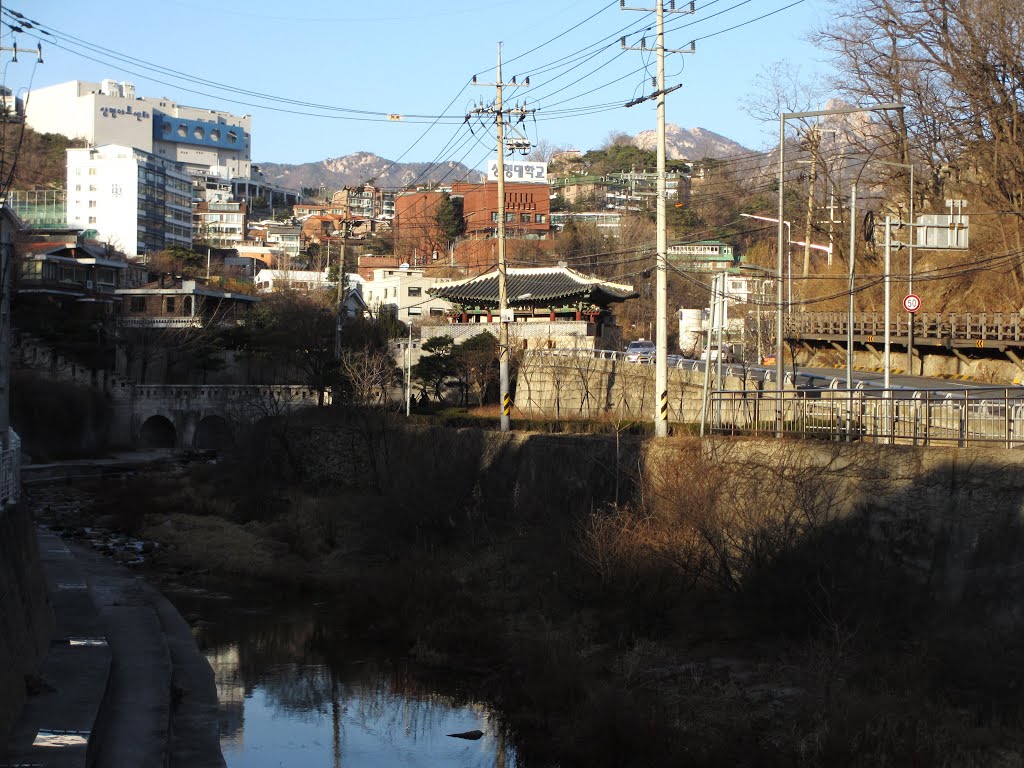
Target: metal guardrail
{"x":971,"y":417}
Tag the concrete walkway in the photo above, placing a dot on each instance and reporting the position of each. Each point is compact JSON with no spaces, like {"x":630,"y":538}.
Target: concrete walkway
{"x":123,"y":683}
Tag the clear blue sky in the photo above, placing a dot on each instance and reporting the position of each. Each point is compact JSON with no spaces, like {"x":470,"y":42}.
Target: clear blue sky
{"x":416,"y":58}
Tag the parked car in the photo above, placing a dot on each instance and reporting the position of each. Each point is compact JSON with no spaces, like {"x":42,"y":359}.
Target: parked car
{"x":640,"y":351}
{"x":713,"y":353}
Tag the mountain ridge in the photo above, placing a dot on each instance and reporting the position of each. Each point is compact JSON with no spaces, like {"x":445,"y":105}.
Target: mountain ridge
{"x":361,"y":167}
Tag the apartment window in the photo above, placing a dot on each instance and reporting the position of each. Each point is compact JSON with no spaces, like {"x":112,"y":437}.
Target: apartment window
{"x":92,"y":203}
{"x":524,"y":218}
{"x":92,"y":171}
{"x":540,"y":218}
{"x":494,"y":216}
{"x":415,"y":290}
{"x":92,"y":187}
{"x":78,"y":171}
{"x":78,"y":187}
{"x":414,"y":311}
{"x":170,"y":305}
{"x":510,"y":217}
{"x":436,"y":312}
{"x":137,"y":304}
{"x":92,"y":219}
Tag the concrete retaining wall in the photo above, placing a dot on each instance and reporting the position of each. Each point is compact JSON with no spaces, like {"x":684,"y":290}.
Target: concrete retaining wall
{"x":26,"y":618}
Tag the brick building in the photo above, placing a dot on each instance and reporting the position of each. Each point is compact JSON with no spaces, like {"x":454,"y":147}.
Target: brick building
{"x":419,"y":242}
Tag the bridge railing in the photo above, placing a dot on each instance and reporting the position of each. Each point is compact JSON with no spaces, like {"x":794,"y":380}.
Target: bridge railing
{"x":1007,"y":327}
{"x":972,"y":417}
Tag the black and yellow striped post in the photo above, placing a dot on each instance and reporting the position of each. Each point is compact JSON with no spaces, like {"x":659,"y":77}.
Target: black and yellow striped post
{"x":663,"y":407}
{"x":506,"y":405}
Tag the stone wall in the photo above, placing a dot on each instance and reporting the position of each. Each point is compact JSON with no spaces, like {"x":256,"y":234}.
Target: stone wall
{"x":952,"y":518}
{"x":591,"y":388}
{"x":26,"y":618}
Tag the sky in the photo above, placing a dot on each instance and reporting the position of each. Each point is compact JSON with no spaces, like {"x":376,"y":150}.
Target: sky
{"x":323,"y":80}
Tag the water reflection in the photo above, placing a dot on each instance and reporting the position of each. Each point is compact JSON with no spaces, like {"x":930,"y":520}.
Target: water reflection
{"x":293,"y":693}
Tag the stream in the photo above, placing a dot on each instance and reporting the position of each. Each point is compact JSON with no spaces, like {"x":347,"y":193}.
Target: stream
{"x":294,"y":692}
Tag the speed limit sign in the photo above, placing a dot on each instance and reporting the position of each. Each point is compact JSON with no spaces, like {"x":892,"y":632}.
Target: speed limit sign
{"x":912,"y":302}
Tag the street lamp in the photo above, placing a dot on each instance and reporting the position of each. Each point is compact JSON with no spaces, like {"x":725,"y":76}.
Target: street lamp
{"x":789,"y":255}
{"x":783,"y":117}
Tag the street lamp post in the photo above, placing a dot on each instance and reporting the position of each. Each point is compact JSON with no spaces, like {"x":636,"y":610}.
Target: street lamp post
{"x":783,"y":117}
{"x":789,"y":255}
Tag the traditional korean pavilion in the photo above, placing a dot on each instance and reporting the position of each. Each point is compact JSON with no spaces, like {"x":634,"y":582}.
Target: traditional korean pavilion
{"x":534,"y":293}
{"x":552,"y":306}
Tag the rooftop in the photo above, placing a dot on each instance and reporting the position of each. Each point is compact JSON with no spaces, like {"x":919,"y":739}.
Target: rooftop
{"x":534,"y":285}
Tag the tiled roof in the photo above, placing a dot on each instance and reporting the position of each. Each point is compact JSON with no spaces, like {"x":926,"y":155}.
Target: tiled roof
{"x":533,"y":285}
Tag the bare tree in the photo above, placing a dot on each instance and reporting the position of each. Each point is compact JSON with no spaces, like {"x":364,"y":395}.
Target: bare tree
{"x":369,"y":375}
{"x":955,"y":64}
{"x":782,"y":87}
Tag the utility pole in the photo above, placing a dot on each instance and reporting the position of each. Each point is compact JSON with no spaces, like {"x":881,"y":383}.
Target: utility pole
{"x":814,"y":141}
{"x":661,"y":290}
{"x":517,"y":141}
{"x":341,"y":297}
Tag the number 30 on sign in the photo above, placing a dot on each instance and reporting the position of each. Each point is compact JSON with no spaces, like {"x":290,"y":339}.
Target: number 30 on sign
{"x":912,"y":302}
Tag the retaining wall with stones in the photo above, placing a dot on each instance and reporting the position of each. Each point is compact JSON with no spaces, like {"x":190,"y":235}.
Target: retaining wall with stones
{"x":591,"y":388}
{"x":951,"y":517}
{"x":26,"y":617}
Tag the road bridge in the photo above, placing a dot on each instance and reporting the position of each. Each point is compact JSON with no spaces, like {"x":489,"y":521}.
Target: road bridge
{"x":954,"y":333}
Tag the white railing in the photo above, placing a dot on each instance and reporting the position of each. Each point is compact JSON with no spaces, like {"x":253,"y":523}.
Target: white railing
{"x":960,"y":418}
{"x":161,"y":322}
{"x":10,"y":469}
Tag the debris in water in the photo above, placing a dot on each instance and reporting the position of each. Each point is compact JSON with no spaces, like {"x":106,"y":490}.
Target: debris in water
{"x":473,"y":735}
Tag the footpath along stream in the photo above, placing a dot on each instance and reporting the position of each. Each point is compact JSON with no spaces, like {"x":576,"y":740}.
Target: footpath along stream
{"x":292,"y":689}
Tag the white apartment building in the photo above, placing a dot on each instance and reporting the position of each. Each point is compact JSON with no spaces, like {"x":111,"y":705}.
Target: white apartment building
{"x":402,"y":292}
{"x":133,"y":200}
{"x":269,"y":280}
{"x":110,"y":112}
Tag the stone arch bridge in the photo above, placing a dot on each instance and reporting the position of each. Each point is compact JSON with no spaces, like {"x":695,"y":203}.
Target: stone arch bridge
{"x":185,"y":417}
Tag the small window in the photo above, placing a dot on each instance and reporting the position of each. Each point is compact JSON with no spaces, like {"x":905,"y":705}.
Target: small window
{"x":92,"y":171}
{"x":92,"y":203}
{"x":415,"y":290}
{"x":436,"y":312}
{"x":137,"y":304}
{"x":92,"y":219}
{"x":494,"y":216}
{"x":414,"y":311}
{"x":540,"y":218}
{"x":524,"y":218}
{"x":170,"y":305}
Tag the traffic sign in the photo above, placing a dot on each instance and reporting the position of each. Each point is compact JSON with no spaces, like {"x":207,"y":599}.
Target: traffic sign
{"x":912,"y":302}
